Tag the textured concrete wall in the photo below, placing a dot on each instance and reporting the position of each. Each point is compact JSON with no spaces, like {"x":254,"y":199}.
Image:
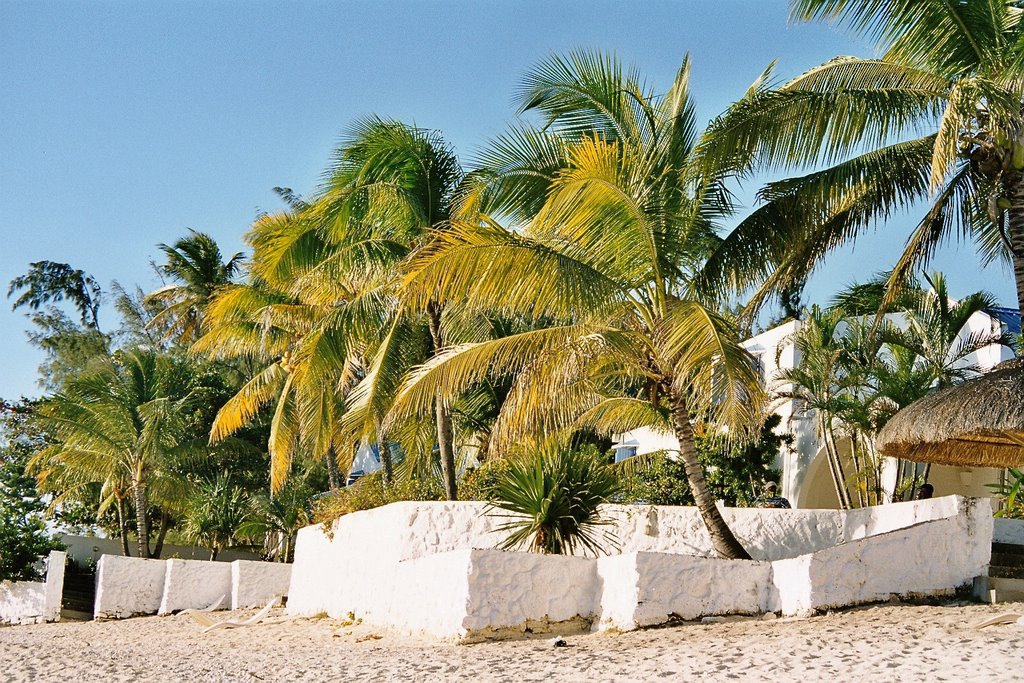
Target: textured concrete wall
{"x":195,"y":584}
{"x":643,"y":589}
{"x":431,"y":567}
{"x":930,"y":558}
{"x":254,"y":583}
{"x":29,"y":602}
{"x":128,"y":586}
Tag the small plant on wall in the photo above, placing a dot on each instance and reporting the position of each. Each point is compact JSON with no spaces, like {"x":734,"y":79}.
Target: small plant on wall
{"x":551,"y":499}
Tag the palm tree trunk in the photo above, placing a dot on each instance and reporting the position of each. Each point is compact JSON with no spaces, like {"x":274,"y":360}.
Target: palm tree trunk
{"x":386,"y":464}
{"x":141,"y":517}
{"x":333,"y":475}
{"x":441,"y":412}
{"x":836,"y":468}
{"x":722,"y":538}
{"x":122,"y":524}
{"x":161,"y":534}
{"x":444,"y":444}
{"x":1015,"y":232}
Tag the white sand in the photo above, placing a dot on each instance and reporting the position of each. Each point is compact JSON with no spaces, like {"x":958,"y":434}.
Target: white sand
{"x":889,"y":642}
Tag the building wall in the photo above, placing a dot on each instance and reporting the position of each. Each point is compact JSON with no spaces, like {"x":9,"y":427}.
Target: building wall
{"x":806,"y":480}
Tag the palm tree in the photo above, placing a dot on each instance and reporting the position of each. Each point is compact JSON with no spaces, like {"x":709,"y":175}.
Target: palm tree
{"x":619,"y":217}
{"x":121,"y":424}
{"x":197,"y":269}
{"x":951,"y":69}
{"x":48,"y":281}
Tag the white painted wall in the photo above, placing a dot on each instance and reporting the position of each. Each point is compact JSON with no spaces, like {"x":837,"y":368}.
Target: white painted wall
{"x":426,"y":567}
{"x":195,"y":584}
{"x":254,"y":583}
{"x":128,"y":586}
{"x":84,"y":549}
{"x":30,"y":602}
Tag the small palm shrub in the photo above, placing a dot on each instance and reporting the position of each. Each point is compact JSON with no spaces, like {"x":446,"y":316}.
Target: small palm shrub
{"x":552,"y":500}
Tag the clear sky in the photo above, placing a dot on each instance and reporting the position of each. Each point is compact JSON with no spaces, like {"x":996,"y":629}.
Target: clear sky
{"x":124,"y":123}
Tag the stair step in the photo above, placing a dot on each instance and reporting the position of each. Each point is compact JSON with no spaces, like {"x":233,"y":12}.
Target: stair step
{"x":999,"y":572}
{"x":1007,"y":560}
{"x":1006,"y":590}
{"x":1011,"y":548}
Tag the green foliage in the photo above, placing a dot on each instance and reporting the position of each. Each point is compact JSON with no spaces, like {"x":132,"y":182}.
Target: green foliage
{"x":735,"y":474}
{"x":552,"y":498}
{"x":48,"y":281}
{"x":481,"y":483}
{"x":23,"y":535}
{"x":370,"y":492}
{"x":214,"y":513}
{"x":1010,"y":494}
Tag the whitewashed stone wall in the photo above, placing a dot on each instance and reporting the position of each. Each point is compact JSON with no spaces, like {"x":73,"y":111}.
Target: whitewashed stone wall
{"x":195,"y":584}
{"x":254,"y":583}
{"x":430,"y":567}
{"x":29,"y":602}
{"x":128,"y":586}
{"x":131,"y":586}
{"x":931,"y":558}
{"x":643,"y":588}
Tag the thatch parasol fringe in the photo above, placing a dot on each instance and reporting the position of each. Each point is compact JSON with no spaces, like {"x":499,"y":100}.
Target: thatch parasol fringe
{"x":979,"y":423}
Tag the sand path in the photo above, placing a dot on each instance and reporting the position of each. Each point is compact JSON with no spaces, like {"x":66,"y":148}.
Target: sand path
{"x":880,"y":643}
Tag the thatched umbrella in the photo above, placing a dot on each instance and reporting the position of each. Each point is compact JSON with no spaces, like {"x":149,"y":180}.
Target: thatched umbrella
{"x":979,"y":423}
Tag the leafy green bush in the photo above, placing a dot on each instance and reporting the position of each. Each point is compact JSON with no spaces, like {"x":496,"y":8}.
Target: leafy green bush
{"x":481,"y":483}
{"x":370,"y":492}
{"x":1009,"y":493}
{"x":23,"y":535}
{"x":736,"y":475}
{"x":552,"y":498}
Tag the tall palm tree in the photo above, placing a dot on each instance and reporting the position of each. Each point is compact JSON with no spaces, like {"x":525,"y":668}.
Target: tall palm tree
{"x":617,"y":217}
{"x":121,"y":424}
{"x":196,"y":269}
{"x":936,"y":119}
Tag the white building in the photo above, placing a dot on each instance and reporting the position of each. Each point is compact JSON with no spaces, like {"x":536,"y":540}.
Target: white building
{"x":806,"y":480}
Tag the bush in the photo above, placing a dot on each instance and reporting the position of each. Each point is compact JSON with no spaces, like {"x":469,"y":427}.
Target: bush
{"x":552,"y":499}
{"x":481,"y":483}
{"x":23,"y":535}
{"x":369,"y":492}
{"x":736,"y":475}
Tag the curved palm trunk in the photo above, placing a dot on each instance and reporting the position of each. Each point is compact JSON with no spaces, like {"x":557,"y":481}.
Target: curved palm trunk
{"x":1015,"y":234}
{"x":386,"y":465}
{"x":161,"y":534}
{"x":442,"y":414}
{"x":722,"y":538}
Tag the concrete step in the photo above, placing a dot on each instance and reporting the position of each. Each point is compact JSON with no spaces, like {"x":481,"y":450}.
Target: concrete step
{"x":997,"y":589}
{"x":999,"y":572}
{"x":75,"y":615}
{"x":1009,"y":548}
{"x":1006,"y":560}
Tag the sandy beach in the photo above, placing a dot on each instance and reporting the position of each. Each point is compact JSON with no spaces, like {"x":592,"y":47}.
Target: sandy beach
{"x":887,"y":643}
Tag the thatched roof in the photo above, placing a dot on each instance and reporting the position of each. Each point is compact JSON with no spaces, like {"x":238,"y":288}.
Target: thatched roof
{"x":979,"y":423}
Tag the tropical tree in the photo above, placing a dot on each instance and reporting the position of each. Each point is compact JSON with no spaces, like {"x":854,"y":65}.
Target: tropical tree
{"x":196,"y":269}
{"x":951,"y":70}
{"x":617,"y":216}
{"x":49,"y":281}
{"x":118,"y":427}
{"x":214,"y":514}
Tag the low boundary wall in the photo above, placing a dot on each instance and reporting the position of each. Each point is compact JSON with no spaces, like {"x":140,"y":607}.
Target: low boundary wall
{"x":31,"y":602}
{"x":662,"y":574}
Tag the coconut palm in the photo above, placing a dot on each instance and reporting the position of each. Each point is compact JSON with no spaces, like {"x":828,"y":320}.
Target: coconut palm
{"x":121,"y":424}
{"x":952,"y":71}
{"x":619,"y":217}
{"x":197,"y":269}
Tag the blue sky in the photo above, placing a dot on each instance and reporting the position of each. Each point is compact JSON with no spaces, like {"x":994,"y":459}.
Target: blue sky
{"x":122,"y":124}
